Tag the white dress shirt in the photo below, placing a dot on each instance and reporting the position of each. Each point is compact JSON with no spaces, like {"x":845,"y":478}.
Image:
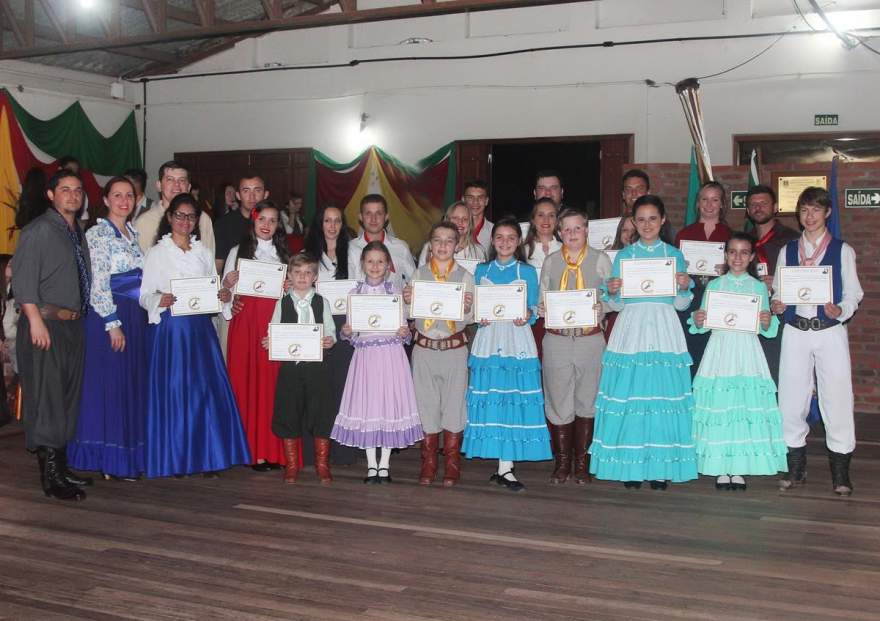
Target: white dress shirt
{"x":165,"y":261}
{"x":404,"y":266}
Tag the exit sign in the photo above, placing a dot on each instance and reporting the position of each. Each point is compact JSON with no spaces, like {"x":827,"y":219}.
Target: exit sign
{"x":824,"y":120}
{"x":738,"y":199}
{"x":861,"y":197}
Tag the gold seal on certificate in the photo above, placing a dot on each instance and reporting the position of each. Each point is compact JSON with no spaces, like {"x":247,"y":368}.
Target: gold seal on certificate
{"x":732,"y":311}
{"x":500,"y":302}
{"x":702,"y":257}
{"x":336,"y":292}
{"x":296,"y":342}
{"x":570,"y":309}
{"x":805,"y":285}
{"x":647,"y":277}
{"x":469,"y":264}
{"x":375,"y":313}
{"x":601,"y":233}
{"x":437,"y":300}
{"x":260,"y":279}
{"x":195,"y":296}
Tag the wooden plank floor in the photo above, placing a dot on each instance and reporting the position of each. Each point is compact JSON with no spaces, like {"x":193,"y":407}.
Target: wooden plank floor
{"x":246,"y":547}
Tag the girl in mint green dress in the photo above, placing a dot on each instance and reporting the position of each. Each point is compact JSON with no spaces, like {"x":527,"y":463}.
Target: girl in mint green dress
{"x":737,"y":424}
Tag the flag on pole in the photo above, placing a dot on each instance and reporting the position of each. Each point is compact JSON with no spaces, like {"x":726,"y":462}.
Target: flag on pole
{"x":691,"y":212}
{"x":753,"y":181}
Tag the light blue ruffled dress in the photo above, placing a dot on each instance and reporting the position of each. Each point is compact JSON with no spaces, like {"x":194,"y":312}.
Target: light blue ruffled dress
{"x":644,"y":407}
{"x":505,"y":401}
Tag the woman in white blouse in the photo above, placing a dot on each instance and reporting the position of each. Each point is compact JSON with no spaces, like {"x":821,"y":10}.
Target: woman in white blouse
{"x":459,"y":215}
{"x":540,"y":240}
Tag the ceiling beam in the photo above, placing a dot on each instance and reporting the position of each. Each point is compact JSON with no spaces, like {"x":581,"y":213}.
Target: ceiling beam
{"x":257,"y":27}
{"x":29,"y":22}
{"x":173,"y":12}
{"x":207,"y":14}
{"x":273,"y":9}
{"x":12,"y":22}
{"x":53,"y":18}
{"x":348,"y":6}
{"x":157,"y":12}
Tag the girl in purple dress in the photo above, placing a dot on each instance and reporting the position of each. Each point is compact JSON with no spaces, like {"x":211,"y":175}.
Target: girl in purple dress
{"x":378,"y":409}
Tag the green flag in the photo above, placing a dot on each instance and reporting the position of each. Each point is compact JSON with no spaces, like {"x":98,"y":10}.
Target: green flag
{"x":691,"y":211}
{"x":753,"y":181}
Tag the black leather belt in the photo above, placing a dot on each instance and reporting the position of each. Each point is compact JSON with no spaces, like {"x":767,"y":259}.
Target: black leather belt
{"x":811,"y":323}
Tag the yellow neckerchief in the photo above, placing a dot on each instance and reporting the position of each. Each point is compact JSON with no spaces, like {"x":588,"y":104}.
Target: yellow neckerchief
{"x":435,"y":270}
{"x":576,"y":267}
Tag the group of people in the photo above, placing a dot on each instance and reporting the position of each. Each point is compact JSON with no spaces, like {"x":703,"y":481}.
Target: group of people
{"x":115,"y":383}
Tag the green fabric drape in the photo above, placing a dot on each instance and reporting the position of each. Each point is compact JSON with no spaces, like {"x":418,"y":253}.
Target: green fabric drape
{"x":72,"y":133}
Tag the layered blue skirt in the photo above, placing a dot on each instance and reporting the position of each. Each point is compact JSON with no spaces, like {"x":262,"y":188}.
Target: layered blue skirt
{"x":193,"y":423}
{"x":111,"y":426}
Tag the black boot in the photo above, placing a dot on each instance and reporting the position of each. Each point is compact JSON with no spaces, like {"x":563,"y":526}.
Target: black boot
{"x":840,"y":473}
{"x":797,"y":468}
{"x":70,"y":476}
{"x":54,"y":484}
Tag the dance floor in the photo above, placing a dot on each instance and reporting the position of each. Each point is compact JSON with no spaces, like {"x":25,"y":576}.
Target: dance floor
{"x":246,"y":547}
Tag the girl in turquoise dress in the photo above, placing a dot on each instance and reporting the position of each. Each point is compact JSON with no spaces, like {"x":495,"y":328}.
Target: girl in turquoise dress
{"x":644,"y":407}
{"x":737,"y":424}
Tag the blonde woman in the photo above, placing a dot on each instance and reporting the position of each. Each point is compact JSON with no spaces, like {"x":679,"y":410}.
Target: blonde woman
{"x":459,"y":215}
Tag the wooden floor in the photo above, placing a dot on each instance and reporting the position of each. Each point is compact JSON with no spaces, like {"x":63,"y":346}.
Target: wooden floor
{"x":246,"y":547}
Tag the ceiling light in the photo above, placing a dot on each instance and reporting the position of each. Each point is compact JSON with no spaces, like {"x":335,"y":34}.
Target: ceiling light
{"x":88,"y":4}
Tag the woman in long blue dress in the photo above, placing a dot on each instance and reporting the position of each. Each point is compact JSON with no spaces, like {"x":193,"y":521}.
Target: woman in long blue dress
{"x":192,"y":419}
{"x":644,"y":408}
{"x":505,"y":400}
{"x":110,"y":430}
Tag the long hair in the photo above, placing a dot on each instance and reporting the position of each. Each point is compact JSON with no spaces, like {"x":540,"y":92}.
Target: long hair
{"x":316,"y":243}
{"x":751,"y":270}
{"x":32,"y":202}
{"x":101,"y":210}
{"x":176,"y":202}
{"x":618,"y":236}
{"x":247,"y":246}
{"x":532,"y":235}
{"x":652,"y":199}
{"x":709,"y":185}
{"x":511,"y":222}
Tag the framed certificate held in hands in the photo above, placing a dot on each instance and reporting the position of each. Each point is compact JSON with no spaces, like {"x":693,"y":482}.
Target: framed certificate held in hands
{"x":702,"y":257}
{"x":644,"y":278}
{"x":732,"y":311}
{"x":336,"y":292}
{"x":601,"y":233}
{"x":260,"y":279}
{"x":570,"y":309}
{"x":437,"y":300}
{"x":805,"y":285}
{"x":296,"y":342}
{"x":375,"y":313}
{"x":500,"y":302}
{"x":195,"y":296}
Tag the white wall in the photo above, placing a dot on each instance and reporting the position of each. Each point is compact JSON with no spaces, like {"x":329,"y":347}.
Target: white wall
{"x":415,"y":107}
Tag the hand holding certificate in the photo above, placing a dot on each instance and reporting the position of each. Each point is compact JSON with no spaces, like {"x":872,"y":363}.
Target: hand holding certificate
{"x":500,"y":302}
{"x":702,"y":257}
{"x":195,"y":296}
{"x":336,"y":292}
{"x":296,"y":342}
{"x":375,"y":313}
{"x":570,"y":309}
{"x":437,"y":300}
{"x":732,"y":311}
{"x":260,"y":279}
{"x":642,"y":278}
{"x":805,"y":285}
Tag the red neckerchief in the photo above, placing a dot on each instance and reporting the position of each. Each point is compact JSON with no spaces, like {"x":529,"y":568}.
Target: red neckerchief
{"x":383,"y":241}
{"x":821,"y":247}
{"x":759,"y":245}
{"x":479,"y":228}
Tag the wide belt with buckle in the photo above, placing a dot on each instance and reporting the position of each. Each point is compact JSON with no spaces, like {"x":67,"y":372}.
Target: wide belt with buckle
{"x":574,"y":332}
{"x":57,"y":313}
{"x":459,"y":339}
{"x":811,"y":323}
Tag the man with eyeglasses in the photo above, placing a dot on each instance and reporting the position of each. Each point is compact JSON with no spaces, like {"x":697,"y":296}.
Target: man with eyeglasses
{"x":173,"y":180}
{"x":476,"y":196}
{"x":230,"y":228}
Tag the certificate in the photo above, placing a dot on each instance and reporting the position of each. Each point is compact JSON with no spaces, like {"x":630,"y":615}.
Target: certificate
{"x":702,"y":257}
{"x":468,"y":264}
{"x":805,"y":285}
{"x":611,"y":254}
{"x":570,"y":309}
{"x":260,"y":279}
{"x":732,"y":311}
{"x":296,"y":342}
{"x":601,"y":233}
{"x":644,"y":278}
{"x":500,"y":302}
{"x":375,"y":313}
{"x":336,"y":292}
{"x":437,"y":300}
{"x":195,"y":296}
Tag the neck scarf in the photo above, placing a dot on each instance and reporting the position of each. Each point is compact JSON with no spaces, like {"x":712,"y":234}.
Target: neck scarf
{"x":759,"y":245}
{"x":820,"y":250}
{"x":479,"y":228}
{"x":573,"y":267}
{"x":435,"y":270}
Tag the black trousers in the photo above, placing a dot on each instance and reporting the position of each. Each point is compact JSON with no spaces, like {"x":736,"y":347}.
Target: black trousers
{"x":51,"y":382}
{"x":303,"y":402}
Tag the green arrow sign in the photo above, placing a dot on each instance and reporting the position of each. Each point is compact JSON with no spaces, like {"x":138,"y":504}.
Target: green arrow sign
{"x":738,"y":199}
{"x":855,"y":198}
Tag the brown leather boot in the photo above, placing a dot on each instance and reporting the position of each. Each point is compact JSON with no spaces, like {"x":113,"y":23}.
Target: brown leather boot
{"x":429,"y":458}
{"x":561,"y":436}
{"x":583,"y":437}
{"x":322,"y":460}
{"x":452,"y":455}
{"x":291,"y":456}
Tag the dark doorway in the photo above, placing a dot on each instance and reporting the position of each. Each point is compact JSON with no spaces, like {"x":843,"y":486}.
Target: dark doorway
{"x":513,"y":168}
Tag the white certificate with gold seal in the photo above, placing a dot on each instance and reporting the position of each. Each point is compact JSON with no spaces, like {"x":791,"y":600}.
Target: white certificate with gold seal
{"x":296,"y":342}
{"x":732,"y":311}
{"x":570,"y":309}
{"x":644,"y":278}
{"x":195,"y":296}
{"x":500,"y":302}
{"x":601,"y":233}
{"x":437,"y":300}
{"x":260,"y":279}
{"x":805,"y":285}
{"x":702,"y":257}
{"x":336,"y":292}
{"x":375,"y":313}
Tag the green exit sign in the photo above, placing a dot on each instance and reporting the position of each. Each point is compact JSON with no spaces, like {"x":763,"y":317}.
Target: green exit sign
{"x":861,"y":197}
{"x":824,"y":120}
{"x":738,"y":199}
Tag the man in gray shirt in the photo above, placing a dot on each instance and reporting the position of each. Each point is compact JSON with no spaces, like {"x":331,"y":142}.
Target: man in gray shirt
{"x":51,"y":278}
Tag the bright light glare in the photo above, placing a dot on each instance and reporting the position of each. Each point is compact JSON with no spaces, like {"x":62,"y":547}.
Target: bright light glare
{"x":88,"y":4}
